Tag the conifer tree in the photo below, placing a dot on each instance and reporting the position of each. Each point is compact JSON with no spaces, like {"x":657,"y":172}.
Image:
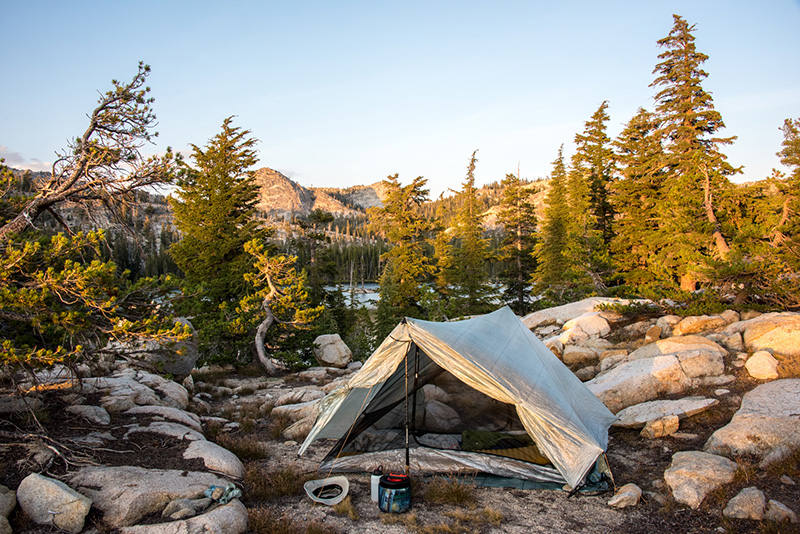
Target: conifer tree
{"x":213,"y":209}
{"x":636,"y":197}
{"x":588,"y":191}
{"x":553,"y":272}
{"x":406,"y":266}
{"x":697,"y":169}
{"x":518,"y":217}
{"x":788,"y":231}
{"x":465,"y":261}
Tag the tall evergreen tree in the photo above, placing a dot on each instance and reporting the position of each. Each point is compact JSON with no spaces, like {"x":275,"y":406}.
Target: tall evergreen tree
{"x":697,"y":169}
{"x":788,"y":233}
{"x":518,"y":217}
{"x":213,"y":209}
{"x":636,"y":196}
{"x":554,"y":268}
{"x":588,"y":190}
{"x":406,"y":266}
{"x":466,"y":275}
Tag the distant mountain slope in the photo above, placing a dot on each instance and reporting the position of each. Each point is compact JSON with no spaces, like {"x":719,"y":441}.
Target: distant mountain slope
{"x":281,"y":197}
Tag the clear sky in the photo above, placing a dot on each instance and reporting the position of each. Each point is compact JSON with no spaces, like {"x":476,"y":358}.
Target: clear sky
{"x":346,"y":93}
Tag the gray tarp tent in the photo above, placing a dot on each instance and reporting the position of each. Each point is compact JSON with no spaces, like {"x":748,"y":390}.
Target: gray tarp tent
{"x":494,"y":354}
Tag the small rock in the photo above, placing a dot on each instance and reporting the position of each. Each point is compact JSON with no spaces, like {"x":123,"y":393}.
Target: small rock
{"x":730,"y":316}
{"x":51,"y":502}
{"x":785,"y":479}
{"x":693,"y":474}
{"x":734,"y":342}
{"x":8,"y":500}
{"x":721,"y":392}
{"x":748,"y":504}
{"x":653,"y":334}
{"x":215,"y":458}
{"x":627,"y":495}
{"x":780,"y":513}
{"x":695,"y":324}
{"x":355,"y":366}
{"x":179,"y":509}
{"x":762,"y":366}
{"x":663,"y":426}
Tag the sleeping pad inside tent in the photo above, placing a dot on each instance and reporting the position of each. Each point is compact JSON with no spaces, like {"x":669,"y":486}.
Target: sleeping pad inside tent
{"x":479,"y":396}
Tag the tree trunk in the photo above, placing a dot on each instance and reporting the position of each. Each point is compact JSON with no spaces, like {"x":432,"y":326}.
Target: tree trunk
{"x":722,"y":246}
{"x":261,"y":334}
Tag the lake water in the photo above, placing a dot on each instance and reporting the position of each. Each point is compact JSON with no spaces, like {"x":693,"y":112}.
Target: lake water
{"x":366,"y":295}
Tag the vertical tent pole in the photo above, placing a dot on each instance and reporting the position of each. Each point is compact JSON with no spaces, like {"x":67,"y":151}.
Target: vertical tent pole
{"x":406,"y":378}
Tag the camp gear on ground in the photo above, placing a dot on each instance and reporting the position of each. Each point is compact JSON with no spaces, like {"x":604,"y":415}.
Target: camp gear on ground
{"x":394,"y":493}
{"x":330,"y":491}
{"x":374,"y":482}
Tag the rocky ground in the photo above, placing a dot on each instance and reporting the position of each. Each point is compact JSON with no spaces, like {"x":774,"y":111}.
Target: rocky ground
{"x":137,"y":445}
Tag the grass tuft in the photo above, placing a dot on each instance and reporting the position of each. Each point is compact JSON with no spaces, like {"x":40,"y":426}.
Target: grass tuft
{"x":346,"y":508}
{"x":245,"y":447}
{"x":262,"y":484}
{"x":441,"y":490}
{"x":266,"y":521}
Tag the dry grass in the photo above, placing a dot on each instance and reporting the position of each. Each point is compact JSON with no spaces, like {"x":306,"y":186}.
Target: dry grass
{"x":409,"y":520}
{"x":441,"y":490}
{"x":266,"y":521}
{"x":262,"y":484}
{"x":245,"y":447}
{"x":278,"y":425}
{"x":346,"y":508}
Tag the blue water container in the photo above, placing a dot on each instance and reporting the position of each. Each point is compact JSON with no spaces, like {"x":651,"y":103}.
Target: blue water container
{"x":394,"y":493}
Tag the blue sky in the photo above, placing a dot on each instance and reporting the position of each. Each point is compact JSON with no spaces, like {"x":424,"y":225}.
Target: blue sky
{"x":346,"y":93}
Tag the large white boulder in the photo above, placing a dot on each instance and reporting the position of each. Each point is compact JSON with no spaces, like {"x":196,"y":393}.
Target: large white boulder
{"x":169,"y":413}
{"x":762,"y":366}
{"x":144,"y":491}
{"x":300,"y":395}
{"x":696,"y":350}
{"x":562,"y":314}
{"x":215,"y":458}
{"x":331,"y":351}
{"x":692,"y":475}
{"x":586,"y":326}
{"x":638,"y":415}
{"x":51,"y":502}
{"x":780,"y":335}
{"x":639,"y":381}
{"x":439,"y":417}
{"x":766,"y":419}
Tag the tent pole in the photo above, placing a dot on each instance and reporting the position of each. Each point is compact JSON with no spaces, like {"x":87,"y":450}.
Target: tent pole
{"x":406,"y":377}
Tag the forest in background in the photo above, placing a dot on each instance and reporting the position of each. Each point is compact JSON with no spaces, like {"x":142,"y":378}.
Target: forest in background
{"x":652,"y":213}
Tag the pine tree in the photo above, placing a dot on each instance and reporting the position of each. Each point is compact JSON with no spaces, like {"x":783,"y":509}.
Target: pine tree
{"x":697,"y":169}
{"x":214,"y":208}
{"x":406,"y":266}
{"x":636,"y":196}
{"x":518,"y":217}
{"x":588,"y":190}
{"x":465,"y":257}
{"x":553,"y":272}
{"x":788,"y":232}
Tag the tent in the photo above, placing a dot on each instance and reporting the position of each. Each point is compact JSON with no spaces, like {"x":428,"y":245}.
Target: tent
{"x":482,"y":395}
